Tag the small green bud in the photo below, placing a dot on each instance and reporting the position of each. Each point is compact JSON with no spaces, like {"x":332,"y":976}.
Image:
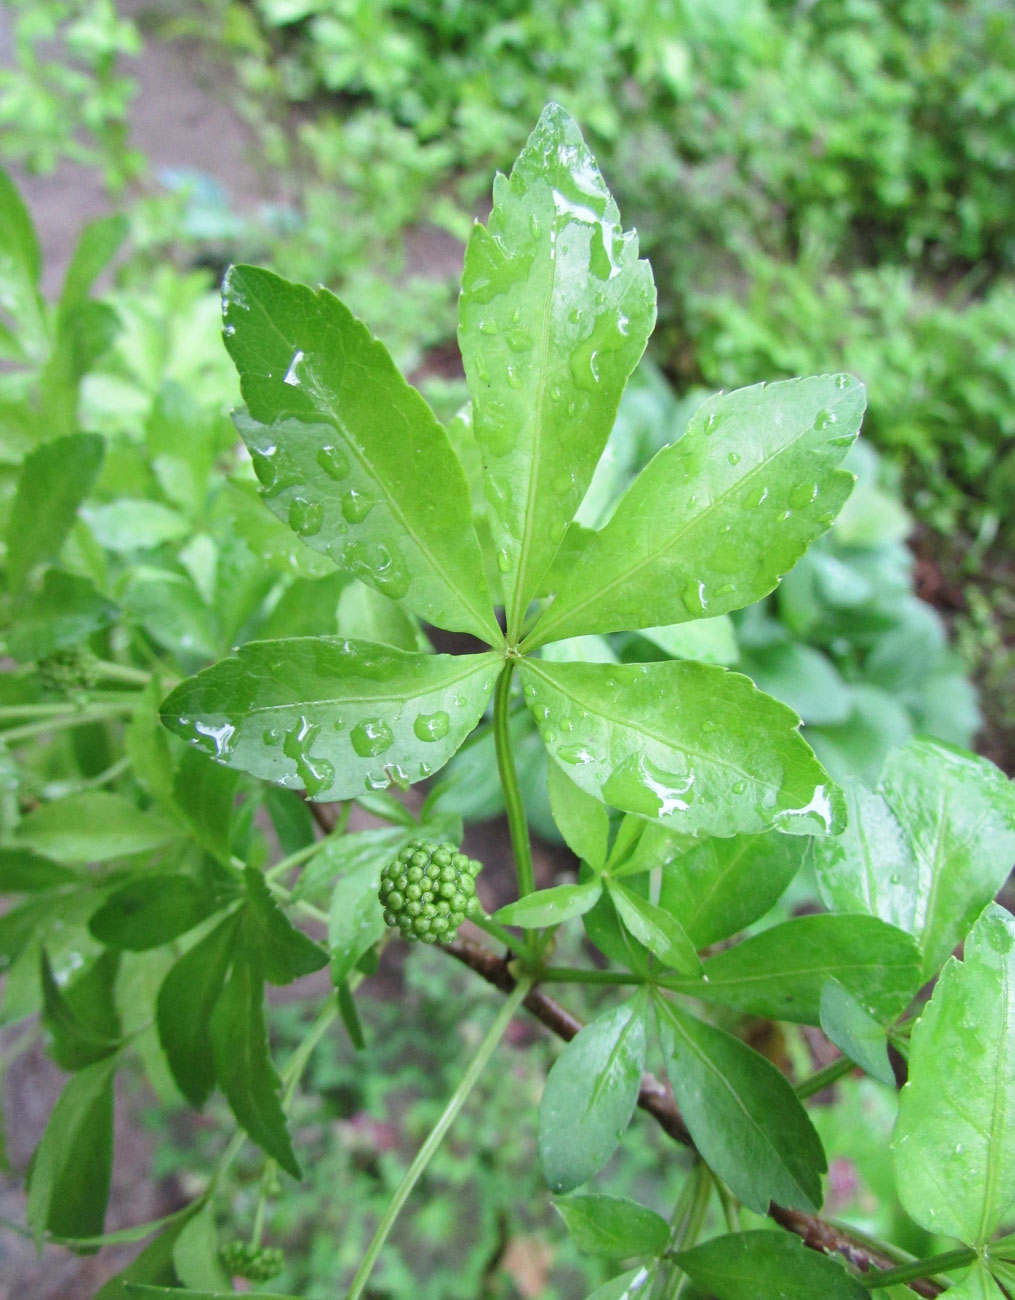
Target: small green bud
{"x":427,"y":890}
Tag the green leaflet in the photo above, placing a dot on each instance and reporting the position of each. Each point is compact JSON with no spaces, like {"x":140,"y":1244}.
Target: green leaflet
{"x":355,"y":916}
{"x":280,"y":952}
{"x":781,"y":972}
{"x":20,"y":267}
{"x":151,"y":910}
{"x":647,"y":739}
{"x":720,"y":885}
{"x":977,"y":1285}
{"x":768,"y":1266}
{"x":70,"y":1174}
{"x":337,"y":717}
{"x":743,"y":1115}
{"x":658,"y":930}
{"x":679,"y":545}
{"x":582,"y":820}
{"x":954,"y":1143}
{"x":929,"y":850}
{"x":855,"y":1032}
{"x":66,"y":611}
{"x":551,"y":906}
{"x":590,"y":1095}
{"x":95,"y":826}
{"x":239,"y":1043}
{"x":54,"y":480}
{"x":554,"y":313}
{"x":613,"y":1226}
{"x":349,"y":454}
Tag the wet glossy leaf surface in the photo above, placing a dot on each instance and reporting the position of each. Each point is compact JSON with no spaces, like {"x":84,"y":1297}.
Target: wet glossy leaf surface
{"x":743,"y":1115}
{"x":954,"y":1144}
{"x":768,"y":1266}
{"x":581,"y":819}
{"x":929,"y":850}
{"x":349,"y":455}
{"x":780,"y":973}
{"x":696,"y":746}
{"x":720,"y":886}
{"x":590,"y":1095}
{"x":555,"y":311}
{"x":715,"y":520}
{"x":336,"y":717}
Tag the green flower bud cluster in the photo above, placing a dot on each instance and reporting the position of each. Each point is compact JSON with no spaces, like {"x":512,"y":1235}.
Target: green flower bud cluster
{"x":69,"y":672}
{"x":255,"y":1263}
{"x":428,"y":890}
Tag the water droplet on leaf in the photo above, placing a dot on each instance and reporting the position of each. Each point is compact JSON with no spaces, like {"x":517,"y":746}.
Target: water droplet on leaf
{"x":432,"y":726}
{"x":371,"y":737}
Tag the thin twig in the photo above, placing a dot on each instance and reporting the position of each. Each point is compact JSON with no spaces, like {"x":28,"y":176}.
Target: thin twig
{"x":656,"y":1098}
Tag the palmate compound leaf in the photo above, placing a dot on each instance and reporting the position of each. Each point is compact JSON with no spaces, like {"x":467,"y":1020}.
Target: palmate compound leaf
{"x":349,"y":454}
{"x":715,"y":519}
{"x":696,"y":746}
{"x":335,"y":716}
{"x":954,"y":1143}
{"x":554,"y":314}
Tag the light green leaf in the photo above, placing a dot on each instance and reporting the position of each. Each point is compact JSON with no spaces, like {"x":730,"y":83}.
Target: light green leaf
{"x":338,"y":717}
{"x":977,"y":1285}
{"x":93,"y":827}
{"x":195,"y":1254}
{"x":708,"y":640}
{"x":855,"y":1032}
{"x":96,"y":247}
{"x":954,"y":1143}
{"x":958,"y":813}
{"x":554,"y":313}
{"x":780,"y":973}
{"x":802,"y":677}
{"x":68,"y":1184}
{"x":269,"y":538}
{"x":743,"y":1115}
{"x":658,"y":930}
{"x":719,"y":886}
{"x":350,"y":853}
{"x":20,"y":266}
{"x":364,"y":614}
{"x":613,"y":1226}
{"x":355,"y":915}
{"x":676,"y":547}
{"x":696,"y":746}
{"x":635,"y":1282}
{"x":350,"y":455}
{"x":239,"y":1042}
{"x":54,"y":481}
{"x":768,"y":1266}
{"x":178,"y":1293}
{"x":581,"y":819}
{"x":590,"y":1095}
{"x":551,"y":906}
{"x":66,"y":611}
{"x":128,"y":525}
{"x":153,"y":1265}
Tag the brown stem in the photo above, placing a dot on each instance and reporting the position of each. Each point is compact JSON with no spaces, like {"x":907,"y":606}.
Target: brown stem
{"x":656,"y":1098}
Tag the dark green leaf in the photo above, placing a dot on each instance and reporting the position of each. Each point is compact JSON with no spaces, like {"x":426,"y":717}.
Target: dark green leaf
{"x":291,"y":819}
{"x":554,"y":313}
{"x":768,"y":1266}
{"x":551,"y":906}
{"x":338,"y":717}
{"x":954,"y":1143}
{"x":96,"y":247}
{"x":613,"y":1226}
{"x":25,"y":872}
{"x":855,"y":1032}
{"x":54,"y":481}
{"x":151,"y":910}
{"x":69,"y":1180}
{"x":66,"y":611}
{"x":82,"y":1019}
{"x":93,"y":827}
{"x":349,"y":1012}
{"x":659,"y":931}
{"x":281,"y":952}
{"x":781,"y":972}
{"x":153,"y":1265}
{"x":350,"y":455}
{"x":184,"y":1008}
{"x":239,"y":1040}
{"x":675,"y":548}
{"x":590,"y":1095}
{"x":719,"y":886}
{"x":743,"y":1115}
{"x":647,"y":739}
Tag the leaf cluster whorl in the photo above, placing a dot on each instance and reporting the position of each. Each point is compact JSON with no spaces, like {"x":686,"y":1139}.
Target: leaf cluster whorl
{"x":427,"y":890}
